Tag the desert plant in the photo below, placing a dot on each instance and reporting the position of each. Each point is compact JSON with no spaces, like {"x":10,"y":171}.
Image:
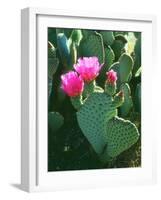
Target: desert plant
{"x":103,"y":81}
{"x":97,"y":117}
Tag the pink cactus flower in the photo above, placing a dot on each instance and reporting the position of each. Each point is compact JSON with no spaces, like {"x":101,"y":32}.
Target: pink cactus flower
{"x":72,"y":84}
{"x":111,"y":76}
{"x":88,"y":68}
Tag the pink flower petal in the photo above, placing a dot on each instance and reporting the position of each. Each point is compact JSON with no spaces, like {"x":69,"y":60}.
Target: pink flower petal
{"x":72,"y":84}
{"x":88,"y":68}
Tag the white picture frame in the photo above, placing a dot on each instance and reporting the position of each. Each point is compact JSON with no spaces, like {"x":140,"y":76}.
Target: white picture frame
{"x":34,"y":176}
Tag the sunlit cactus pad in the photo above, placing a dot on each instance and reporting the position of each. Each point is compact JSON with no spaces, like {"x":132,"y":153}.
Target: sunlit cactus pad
{"x":93,"y":117}
{"x":121,"y":134}
{"x":92,"y":46}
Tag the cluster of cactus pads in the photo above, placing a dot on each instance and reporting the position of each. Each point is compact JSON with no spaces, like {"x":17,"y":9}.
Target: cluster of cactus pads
{"x":94,"y":99}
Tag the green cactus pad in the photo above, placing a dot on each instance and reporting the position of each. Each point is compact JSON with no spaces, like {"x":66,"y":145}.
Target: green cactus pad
{"x":126,"y":65}
{"x":118,"y":46}
{"x":108,"y":37}
{"x":76,"y":36}
{"x":123,"y":68}
{"x":128,"y":103}
{"x":92,"y":118}
{"x":86,"y":33}
{"x":52,"y":36}
{"x":50,"y":84}
{"x":55,"y":120}
{"x":73,"y":53}
{"x":92,"y":46}
{"x":137,"y":54}
{"x":121,"y":134}
{"x":118,"y":99}
{"x":121,"y":38}
{"x":64,"y":50}
{"x":89,"y":88}
{"x":77,"y":102}
{"x":74,"y":41}
{"x":109,"y":59}
{"x":53,"y":61}
{"x":98,"y":89}
{"x":110,"y":89}
{"x":138,"y":98}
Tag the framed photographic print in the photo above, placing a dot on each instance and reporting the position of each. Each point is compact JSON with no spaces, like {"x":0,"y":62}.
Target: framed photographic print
{"x":87,"y":117}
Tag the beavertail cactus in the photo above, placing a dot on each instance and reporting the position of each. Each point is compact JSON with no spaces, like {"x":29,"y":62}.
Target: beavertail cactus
{"x":97,"y":113}
{"x":94,"y":81}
